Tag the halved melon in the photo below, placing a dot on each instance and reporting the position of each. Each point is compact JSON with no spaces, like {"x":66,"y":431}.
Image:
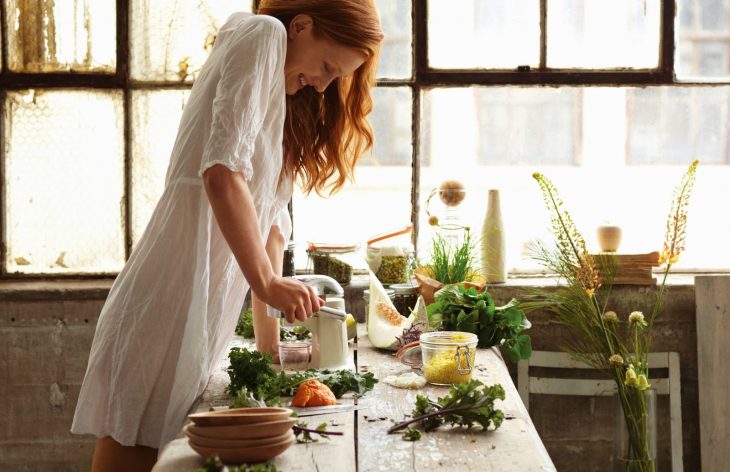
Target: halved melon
{"x":385,"y":324}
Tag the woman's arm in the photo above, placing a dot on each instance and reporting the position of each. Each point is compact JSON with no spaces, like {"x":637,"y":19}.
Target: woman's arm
{"x":265,"y":327}
{"x":235,"y":213}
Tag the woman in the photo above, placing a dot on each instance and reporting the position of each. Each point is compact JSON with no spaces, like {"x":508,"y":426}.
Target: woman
{"x":298,"y":73}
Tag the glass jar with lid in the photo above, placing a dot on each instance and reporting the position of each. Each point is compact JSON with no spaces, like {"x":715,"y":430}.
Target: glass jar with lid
{"x":446,"y":357}
{"x":390,"y":256}
{"x":332,"y":260}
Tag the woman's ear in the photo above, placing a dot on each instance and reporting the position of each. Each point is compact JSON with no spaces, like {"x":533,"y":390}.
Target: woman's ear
{"x":299,"y":24}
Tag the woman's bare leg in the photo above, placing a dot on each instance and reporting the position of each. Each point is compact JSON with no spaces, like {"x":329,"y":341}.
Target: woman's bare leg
{"x":110,"y":456}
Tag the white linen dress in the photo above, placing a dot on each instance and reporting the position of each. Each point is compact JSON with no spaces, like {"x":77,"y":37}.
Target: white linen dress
{"x":174,"y":306}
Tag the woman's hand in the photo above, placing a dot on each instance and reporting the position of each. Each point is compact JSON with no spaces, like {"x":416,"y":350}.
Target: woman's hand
{"x":297,"y":301}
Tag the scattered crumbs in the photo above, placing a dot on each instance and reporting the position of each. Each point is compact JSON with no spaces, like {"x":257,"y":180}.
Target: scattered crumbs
{"x":494,"y":447}
{"x":383,"y":418}
{"x":473,"y":440}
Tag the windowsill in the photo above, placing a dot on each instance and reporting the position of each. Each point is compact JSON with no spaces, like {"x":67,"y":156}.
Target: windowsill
{"x":98,"y":289}
{"x":58,"y":289}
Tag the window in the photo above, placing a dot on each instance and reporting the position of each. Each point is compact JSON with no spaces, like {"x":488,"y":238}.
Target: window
{"x":596,"y":95}
{"x":599,"y":96}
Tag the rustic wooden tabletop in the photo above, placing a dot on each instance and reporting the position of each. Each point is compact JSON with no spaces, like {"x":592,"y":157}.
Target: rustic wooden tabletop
{"x":366,"y":446}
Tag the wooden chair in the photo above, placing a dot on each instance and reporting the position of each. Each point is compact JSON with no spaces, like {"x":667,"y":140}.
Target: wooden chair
{"x":599,"y":387}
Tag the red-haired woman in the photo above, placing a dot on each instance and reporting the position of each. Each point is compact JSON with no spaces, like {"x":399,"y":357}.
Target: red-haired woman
{"x":299,"y":74}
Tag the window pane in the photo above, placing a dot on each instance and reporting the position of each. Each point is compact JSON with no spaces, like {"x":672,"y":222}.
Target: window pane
{"x":380,"y":199}
{"x":703,"y":48}
{"x":69,"y":35}
{"x":604,"y":135}
{"x":170,"y":39}
{"x":603,"y":34}
{"x":493,"y":34}
{"x":395,"y":55}
{"x":500,"y":126}
{"x":673,"y":125}
{"x":64,"y":181}
{"x":155,"y":119}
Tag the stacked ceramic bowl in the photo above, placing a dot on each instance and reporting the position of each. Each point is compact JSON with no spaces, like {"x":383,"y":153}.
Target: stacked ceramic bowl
{"x":242,"y":434}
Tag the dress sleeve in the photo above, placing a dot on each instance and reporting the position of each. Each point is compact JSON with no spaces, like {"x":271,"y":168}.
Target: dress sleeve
{"x":251,"y":59}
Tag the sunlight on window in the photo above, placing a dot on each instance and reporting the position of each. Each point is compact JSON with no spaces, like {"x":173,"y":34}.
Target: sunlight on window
{"x":601,"y":186}
{"x":170,"y":39}
{"x":64,"y":181}
{"x":703,"y":40}
{"x":78,"y":35}
{"x":494,"y":34}
{"x":600,"y":35}
{"x":155,"y":118}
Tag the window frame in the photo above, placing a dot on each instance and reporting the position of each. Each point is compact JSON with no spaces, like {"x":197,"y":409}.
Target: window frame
{"x":423,"y":78}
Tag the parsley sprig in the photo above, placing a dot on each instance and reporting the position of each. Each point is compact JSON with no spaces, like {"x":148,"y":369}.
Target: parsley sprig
{"x":466,"y":404}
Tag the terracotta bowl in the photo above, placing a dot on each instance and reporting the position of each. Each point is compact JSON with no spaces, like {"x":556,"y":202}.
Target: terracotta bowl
{"x":243,"y":431}
{"x":240,"y":416}
{"x":245,"y":454}
{"x":235,"y":443}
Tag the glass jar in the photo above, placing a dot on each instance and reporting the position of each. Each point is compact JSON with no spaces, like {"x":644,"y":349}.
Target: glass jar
{"x":294,"y":355}
{"x":390,"y":263}
{"x":331,"y":260}
{"x":448,"y":357}
{"x":288,"y":268}
{"x":404,"y":298}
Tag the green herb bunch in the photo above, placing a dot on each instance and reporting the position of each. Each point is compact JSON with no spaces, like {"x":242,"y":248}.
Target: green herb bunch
{"x":457,"y":308}
{"x":253,"y":380}
{"x":466,"y":404}
{"x":453,"y":259}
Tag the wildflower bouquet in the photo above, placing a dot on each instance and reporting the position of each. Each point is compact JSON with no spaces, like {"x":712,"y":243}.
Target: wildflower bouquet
{"x":599,"y":337}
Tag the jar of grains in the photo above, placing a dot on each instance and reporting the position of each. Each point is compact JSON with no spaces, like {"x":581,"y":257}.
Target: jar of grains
{"x":390,"y":256}
{"x":448,"y":356}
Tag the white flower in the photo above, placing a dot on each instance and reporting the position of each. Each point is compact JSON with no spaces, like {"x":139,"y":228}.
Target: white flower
{"x":616,"y":359}
{"x":610,"y":316}
{"x":636,"y":318}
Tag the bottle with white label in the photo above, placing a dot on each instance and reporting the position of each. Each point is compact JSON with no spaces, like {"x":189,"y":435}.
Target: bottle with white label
{"x":492,"y":242}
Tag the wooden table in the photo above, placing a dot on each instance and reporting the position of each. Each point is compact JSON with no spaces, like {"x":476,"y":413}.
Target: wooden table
{"x":365,"y":446}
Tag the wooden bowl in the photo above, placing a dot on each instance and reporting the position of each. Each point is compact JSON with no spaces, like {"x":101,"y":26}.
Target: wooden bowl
{"x":243,"y":431}
{"x":240,"y":416}
{"x":245,"y":454}
{"x":235,"y":443}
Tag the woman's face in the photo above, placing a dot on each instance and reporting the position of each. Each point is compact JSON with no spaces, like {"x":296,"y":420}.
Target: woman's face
{"x":315,"y":62}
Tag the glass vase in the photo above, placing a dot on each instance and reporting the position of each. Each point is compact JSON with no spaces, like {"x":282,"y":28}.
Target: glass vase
{"x":635,"y":431}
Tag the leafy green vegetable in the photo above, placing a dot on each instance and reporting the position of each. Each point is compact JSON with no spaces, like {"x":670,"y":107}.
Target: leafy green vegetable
{"x":339,"y":381}
{"x":252,"y":370}
{"x":214,"y":464}
{"x":245,"y":324}
{"x":457,"y":308}
{"x":244,"y":328}
{"x":465,"y":405}
{"x":253,"y":379}
{"x":243,"y":398}
{"x":411,"y":434}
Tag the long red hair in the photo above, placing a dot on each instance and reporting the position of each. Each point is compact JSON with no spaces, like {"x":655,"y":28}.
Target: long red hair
{"x":325,"y":134}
